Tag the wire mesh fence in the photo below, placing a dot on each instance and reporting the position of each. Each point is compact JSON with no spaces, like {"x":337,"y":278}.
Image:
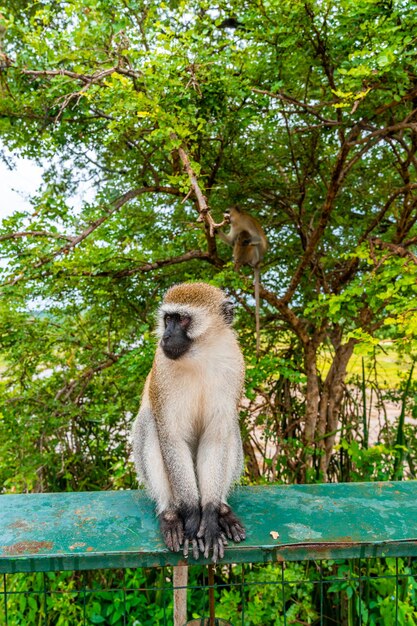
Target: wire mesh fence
{"x":329,"y":592}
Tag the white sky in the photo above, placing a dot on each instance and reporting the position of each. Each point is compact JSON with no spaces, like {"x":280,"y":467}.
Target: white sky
{"x":18,"y":185}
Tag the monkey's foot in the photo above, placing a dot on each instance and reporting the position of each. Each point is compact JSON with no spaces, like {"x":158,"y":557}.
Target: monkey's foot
{"x":172,"y":529}
{"x":231,"y":525}
{"x":211,"y":533}
{"x":191,"y":517}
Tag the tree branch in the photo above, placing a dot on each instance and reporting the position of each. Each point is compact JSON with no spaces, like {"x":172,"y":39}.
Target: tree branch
{"x":74,"y":241}
{"x":85,"y":377}
{"x":400,"y":250}
{"x":203,"y":208}
{"x":306,"y":107}
{"x":85,"y":78}
{"x":338,"y":175}
{"x":148,"y":267}
{"x":34,"y":233}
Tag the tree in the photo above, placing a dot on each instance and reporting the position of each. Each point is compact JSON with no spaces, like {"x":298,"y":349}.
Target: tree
{"x":302,"y":112}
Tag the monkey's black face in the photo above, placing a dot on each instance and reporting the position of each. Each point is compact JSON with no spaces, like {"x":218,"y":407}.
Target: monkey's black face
{"x":175,"y":342}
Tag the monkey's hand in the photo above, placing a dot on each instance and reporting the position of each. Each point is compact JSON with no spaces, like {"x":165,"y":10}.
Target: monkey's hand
{"x":172,"y":529}
{"x":211,"y":533}
{"x":191,"y":517}
{"x":225,"y":221}
{"x":230,"y":524}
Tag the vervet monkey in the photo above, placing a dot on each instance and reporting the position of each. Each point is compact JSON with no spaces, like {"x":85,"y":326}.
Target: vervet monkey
{"x":249,"y":242}
{"x":186,"y":441}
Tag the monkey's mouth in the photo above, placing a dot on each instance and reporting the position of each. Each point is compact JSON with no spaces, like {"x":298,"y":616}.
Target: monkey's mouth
{"x":173,"y":352}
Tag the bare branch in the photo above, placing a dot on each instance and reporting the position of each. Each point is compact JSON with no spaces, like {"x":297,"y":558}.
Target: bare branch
{"x":203,"y":207}
{"x":387,"y":130}
{"x":288,"y":315}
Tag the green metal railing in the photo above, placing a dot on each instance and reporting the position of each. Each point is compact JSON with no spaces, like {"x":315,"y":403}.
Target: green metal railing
{"x":344,"y":554}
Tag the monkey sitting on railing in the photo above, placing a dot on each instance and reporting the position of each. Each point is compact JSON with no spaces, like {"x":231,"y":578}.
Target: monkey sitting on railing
{"x":186,"y":441}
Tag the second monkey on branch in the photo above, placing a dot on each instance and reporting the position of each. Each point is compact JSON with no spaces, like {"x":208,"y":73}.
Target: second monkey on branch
{"x":249,"y":242}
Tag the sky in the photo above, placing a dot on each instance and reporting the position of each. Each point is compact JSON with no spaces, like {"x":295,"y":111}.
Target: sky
{"x":22,"y":182}
{"x":18,"y":185}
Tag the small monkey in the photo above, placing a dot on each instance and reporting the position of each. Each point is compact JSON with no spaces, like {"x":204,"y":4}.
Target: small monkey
{"x":186,"y":441}
{"x":249,"y":242}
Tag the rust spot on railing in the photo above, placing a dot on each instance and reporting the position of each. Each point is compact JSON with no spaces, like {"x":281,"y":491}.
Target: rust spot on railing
{"x":20,"y":523}
{"x":27,"y":546}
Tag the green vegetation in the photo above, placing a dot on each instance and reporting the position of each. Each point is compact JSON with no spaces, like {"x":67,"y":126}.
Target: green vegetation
{"x":346,"y":592}
{"x":304,"y":114}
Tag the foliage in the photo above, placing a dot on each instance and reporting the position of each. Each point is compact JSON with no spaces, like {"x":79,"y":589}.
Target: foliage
{"x":303,"y":113}
{"x":279,"y":108}
{"x":374,"y":591}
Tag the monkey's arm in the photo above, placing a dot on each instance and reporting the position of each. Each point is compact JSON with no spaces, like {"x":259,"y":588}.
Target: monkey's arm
{"x":219,"y":464}
{"x":170,"y":480}
{"x":227,"y":238}
{"x":180,"y":471}
{"x":255,"y":240}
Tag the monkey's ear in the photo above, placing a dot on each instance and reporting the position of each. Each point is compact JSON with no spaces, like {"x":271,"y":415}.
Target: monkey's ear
{"x":228,"y":310}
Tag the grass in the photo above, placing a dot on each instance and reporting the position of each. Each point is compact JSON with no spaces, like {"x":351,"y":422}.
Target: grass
{"x":386,"y":366}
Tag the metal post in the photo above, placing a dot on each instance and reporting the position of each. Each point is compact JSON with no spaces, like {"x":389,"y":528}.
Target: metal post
{"x":180,"y":580}
{"x":211,"y":595}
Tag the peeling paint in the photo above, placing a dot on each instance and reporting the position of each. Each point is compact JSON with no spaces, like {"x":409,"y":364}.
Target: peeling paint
{"x":24,"y":547}
{"x":303,"y":532}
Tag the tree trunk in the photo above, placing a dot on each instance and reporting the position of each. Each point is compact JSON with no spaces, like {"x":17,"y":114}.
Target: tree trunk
{"x":330,"y":403}
{"x":312,"y":394}
{"x":323,"y":405}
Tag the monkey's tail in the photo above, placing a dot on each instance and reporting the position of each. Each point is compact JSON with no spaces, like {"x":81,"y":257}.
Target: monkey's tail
{"x":257,"y":276}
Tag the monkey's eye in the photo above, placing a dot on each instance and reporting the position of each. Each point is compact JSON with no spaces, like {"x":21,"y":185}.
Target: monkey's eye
{"x":167,"y":319}
{"x":185,"y":321}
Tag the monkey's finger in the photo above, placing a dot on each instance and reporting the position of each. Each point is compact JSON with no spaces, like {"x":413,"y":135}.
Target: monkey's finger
{"x":175,"y":540}
{"x":168,"y":540}
{"x":180,"y":535}
{"x":226,"y":528}
{"x":242,"y":532}
{"x":201,"y":545}
{"x":218,"y":550}
{"x":207,"y":549}
{"x":185,"y":547}
{"x":196,"y":553}
{"x":201,"y":533}
{"x":236,"y":534}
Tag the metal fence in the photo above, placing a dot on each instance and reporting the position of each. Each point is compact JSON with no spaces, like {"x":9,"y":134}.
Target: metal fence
{"x":329,"y":592}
